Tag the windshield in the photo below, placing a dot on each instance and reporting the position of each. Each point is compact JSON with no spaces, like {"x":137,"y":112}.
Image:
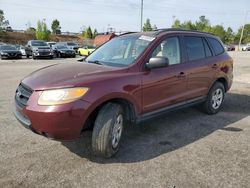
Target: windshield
{"x":8,"y":47}
{"x":39,"y":43}
{"x":71,"y":44}
{"x":90,"y":47}
{"x":121,"y":51}
{"x":61,"y":47}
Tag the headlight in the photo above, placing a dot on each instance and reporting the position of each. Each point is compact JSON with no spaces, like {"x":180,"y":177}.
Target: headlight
{"x":3,"y":53}
{"x":61,"y":96}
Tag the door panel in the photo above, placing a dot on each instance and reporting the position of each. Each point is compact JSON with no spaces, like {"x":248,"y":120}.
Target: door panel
{"x":168,"y":85}
{"x":163,"y":87}
{"x":200,"y":76}
{"x":200,"y":61}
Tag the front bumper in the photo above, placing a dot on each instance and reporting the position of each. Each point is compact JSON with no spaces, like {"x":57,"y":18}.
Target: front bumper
{"x":60,"y":122}
{"x":68,"y":54}
{"x":16,"y":56}
{"x":42,"y":54}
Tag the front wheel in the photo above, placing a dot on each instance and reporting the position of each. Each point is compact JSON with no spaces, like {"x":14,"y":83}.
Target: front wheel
{"x":215,"y":98}
{"x":107,"y":130}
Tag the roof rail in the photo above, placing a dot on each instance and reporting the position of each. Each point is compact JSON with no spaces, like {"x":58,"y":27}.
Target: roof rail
{"x":127,"y":33}
{"x":179,"y":29}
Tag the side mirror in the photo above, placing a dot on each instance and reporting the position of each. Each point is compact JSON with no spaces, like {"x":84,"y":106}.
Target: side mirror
{"x":157,"y":62}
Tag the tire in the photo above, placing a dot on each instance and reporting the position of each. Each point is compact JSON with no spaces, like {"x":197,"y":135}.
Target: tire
{"x":59,"y":55}
{"x":28,"y":56}
{"x":33,"y":57}
{"x":107,"y":130}
{"x":215,"y":98}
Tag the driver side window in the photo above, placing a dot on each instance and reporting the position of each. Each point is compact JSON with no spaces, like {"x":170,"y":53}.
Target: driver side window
{"x":169,"y":48}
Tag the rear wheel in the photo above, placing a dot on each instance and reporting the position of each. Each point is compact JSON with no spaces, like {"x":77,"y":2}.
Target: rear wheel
{"x":107,"y":130}
{"x":215,"y":98}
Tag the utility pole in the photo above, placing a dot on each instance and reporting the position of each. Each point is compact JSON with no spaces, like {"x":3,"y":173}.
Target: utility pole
{"x":141,"y":15}
{"x":242,"y":31}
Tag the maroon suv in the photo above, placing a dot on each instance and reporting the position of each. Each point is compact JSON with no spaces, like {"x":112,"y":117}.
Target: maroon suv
{"x":131,"y":78}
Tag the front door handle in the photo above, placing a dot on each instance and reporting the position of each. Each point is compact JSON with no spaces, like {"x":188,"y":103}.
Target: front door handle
{"x":181,"y":74}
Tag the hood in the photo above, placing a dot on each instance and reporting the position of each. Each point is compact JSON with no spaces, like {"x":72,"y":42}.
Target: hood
{"x":67,"y":75}
{"x":66,"y":50}
{"x":10,"y":51}
{"x":41,"y":47}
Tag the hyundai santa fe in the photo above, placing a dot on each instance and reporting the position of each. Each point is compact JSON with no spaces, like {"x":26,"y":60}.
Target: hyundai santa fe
{"x":129,"y":79}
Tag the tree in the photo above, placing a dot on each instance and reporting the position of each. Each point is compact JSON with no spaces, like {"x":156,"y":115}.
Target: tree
{"x":147,"y":26}
{"x":55,"y":26}
{"x":88,"y":33}
{"x":230,"y":36}
{"x":246,"y":35}
{"x":31,"y":30}
{"x":155,"y":27}
{"x":202,"y":24}
{"x":42,"y":32}
{"x":95,"y":33}
{"x":219,"y":31}
{"x":3,"y":22}
{"x":176,"y":24}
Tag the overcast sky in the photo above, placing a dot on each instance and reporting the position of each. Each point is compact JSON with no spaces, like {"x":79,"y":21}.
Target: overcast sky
{"x":123,"y":15}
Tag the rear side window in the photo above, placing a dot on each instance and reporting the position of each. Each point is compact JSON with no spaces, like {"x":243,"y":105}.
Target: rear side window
{"x":207,"y":49}
{"x":216,"y":45}
{"x":195,"y":48}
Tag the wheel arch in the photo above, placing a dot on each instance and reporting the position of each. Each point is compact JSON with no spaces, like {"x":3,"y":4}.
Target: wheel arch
{"x":224,"y":82}
{"x":128,"y":107}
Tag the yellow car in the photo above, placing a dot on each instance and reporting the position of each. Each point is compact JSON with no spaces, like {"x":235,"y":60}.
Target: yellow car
{"x":86,"y":50}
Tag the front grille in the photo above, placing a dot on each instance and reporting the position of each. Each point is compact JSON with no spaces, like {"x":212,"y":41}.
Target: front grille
{"x":44,"y":53}
{"x":22,"y":95}
{"x":13,"y":54}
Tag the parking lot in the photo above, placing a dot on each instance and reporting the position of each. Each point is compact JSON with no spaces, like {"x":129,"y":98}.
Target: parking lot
{"x":185,"y":148}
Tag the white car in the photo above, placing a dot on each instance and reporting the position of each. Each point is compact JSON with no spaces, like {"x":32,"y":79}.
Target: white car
{"x":21,"y":49}
{"x":246,"y":47}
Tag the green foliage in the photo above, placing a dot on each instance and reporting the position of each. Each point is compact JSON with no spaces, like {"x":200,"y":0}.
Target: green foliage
{"x":88,"y":33}
{"x":55,"y":26}
{"x":147,"y":26}
{"x":203,"y":24}
{"x":95,"y":33}
{"x":3,"y":23}
{"x":31,"y":30}
{"x":246,"y":34}
{"x":42,"y":32}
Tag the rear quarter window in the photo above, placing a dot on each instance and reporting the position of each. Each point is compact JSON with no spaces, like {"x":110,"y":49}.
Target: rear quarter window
{"x":216,"y":45}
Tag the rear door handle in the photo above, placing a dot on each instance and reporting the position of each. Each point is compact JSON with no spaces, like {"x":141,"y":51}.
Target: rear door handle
{"x":215,"y":66}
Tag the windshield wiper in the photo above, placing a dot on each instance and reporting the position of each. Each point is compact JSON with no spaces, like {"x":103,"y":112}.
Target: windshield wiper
{"x":95,"y":62}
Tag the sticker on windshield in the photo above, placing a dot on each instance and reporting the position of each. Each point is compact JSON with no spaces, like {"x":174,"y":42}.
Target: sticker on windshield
{"x":147,"y":38}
